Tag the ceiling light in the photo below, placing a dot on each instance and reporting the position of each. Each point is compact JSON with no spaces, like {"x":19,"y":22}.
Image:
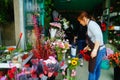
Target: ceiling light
{"x":68,"y":0}
{"x":118,"y":2}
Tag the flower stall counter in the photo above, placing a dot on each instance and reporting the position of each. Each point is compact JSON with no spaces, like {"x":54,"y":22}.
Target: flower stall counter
{"x":10,"y":64}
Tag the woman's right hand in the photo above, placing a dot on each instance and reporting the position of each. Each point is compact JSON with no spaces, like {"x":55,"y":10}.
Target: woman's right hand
{"x":75,"y":37}
{"x":87,"y":48}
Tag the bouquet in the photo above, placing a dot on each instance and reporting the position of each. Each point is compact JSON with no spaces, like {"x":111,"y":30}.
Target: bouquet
{"x":72,"y":63}
{"x":47,"y":68}
{"x":69,"y":73}
{"x":61,"y":48}
{"x":53,"y":29}
{"x":114,"y":59}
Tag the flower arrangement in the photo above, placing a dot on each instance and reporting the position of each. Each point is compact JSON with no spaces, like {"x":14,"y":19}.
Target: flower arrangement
{"x":61,"y":48}
{"x":69,"y":72}
{"x":72,"y":62}
{"x":53,"y":29}
{"x":114,"y":59}
{"x":10,"y":74}
{"x":65,"y":23}
{"x":60,"y":34}
{"x":46,"y":68}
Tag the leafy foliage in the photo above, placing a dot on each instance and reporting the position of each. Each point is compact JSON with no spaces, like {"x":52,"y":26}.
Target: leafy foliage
{"x":48,"y":7}
{"x":6,"y":11}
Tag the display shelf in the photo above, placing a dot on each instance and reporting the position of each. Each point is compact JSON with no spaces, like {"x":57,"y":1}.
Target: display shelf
{"x":9,"y":64}
{"x":27,"y":59}
{"x":114,"y":38}
{"x":31,"y":8}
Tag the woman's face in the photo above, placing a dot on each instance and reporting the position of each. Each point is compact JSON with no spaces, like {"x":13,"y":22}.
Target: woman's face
{"x":82,"y":21}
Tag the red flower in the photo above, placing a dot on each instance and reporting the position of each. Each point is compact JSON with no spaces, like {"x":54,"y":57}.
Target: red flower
{"x":114,"y":59}
{"x":1,"y":74}
{"x":55,"y":74}
{"x":11,"y":49}
{"x":103,"y":26}
{"x":33,"y":74}
{"x":27,"y":65}
{"x":62,"y":63}
{"x":14,"y":69}
{"x":11,"y":72}
{"x":35,"y":61}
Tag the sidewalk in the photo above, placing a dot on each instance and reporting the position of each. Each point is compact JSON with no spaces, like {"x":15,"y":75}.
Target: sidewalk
{"x":82,"y":73}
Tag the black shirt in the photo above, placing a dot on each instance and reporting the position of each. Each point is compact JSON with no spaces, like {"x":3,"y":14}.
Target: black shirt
{"x":80,"y":31}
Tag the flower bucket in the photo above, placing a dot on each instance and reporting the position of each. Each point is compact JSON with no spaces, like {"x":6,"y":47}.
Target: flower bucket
{"x":105,"y":64}
{"x":53,"y":32}
{"x":73,"y":51}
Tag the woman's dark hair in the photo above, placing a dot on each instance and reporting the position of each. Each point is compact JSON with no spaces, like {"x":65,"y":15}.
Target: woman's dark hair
{"x":83,"y":14}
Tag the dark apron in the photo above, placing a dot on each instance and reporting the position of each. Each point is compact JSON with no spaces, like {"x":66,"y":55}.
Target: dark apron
{"x":92,"y":61}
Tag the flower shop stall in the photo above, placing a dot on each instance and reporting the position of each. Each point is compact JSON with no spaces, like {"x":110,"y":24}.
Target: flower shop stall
{"x":13,"y":56}
{"x":46,"y":59}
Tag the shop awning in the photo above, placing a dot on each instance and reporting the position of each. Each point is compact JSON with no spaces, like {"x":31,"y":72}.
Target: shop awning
{"x":88,"y":5}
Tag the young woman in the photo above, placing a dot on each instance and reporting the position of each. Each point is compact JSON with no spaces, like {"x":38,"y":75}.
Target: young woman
{"x":95,"y":35}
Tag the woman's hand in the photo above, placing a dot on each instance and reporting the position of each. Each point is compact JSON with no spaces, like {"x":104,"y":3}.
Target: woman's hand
{"x":75,"y":37}
{"x":96,"y":48}
{"x":87,"y":48}
{"x":94,"y":53}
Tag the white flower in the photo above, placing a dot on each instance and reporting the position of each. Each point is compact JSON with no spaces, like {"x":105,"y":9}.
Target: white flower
{"x":69,"y":61}
{"x":69,"y":57}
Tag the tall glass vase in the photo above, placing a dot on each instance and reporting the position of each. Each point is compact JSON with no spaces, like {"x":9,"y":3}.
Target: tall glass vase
{"x":73,"y":51}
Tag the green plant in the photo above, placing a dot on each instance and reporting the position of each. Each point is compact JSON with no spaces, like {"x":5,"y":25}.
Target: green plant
{"x":48,"y":10}
{"x":6,"y":11}
{"x":48,"y":7}
{"x":28,"y":47}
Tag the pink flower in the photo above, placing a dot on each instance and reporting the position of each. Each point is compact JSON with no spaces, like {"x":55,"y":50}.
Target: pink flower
{"x":63,"y":72}
{"x":55,"y":24}
{"x":41,"y":75}
{"x":72,"y":75}
{"x":50,"y":74}
{"x":61,"y":45}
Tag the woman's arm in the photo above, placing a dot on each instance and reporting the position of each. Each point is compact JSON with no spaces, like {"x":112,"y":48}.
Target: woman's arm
{"x":97,"y":34}
{"x":94,"y":51}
